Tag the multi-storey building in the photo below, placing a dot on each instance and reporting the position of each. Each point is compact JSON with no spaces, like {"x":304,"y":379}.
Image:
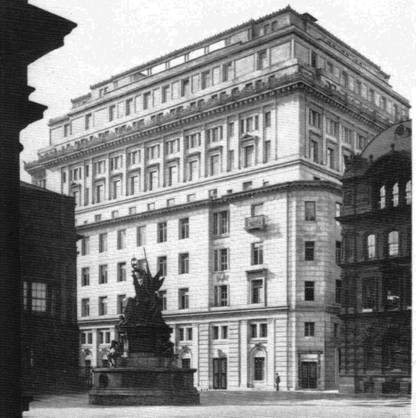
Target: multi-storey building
{"x":223,"y":160}
{"x":377,"y":235}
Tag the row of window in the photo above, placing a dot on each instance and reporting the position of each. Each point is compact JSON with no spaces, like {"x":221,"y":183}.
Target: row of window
{"x":221,"y":263}
{"x":132,"y":186}
{"x":391,"y":245}
{"x":221,"y":298}
{"x":332,"y":128}
{"x":356,"y":85}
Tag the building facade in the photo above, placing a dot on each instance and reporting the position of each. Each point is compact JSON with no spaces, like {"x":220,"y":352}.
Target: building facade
{"x":223,"y":160}
{"x":50,"y":335}
{"x":377,"y":235}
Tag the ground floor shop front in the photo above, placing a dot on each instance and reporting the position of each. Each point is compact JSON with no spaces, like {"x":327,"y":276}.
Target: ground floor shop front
{"x":267,"y":350}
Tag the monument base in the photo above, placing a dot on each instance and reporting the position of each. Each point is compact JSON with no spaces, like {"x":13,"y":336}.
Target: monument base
{"x":146,"y":380}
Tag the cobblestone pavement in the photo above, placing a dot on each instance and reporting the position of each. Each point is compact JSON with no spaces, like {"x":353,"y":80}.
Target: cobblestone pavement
{"x":231,"y":404}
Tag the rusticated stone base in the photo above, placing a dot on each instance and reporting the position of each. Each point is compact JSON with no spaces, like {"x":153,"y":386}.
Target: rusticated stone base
{"x":143,"y":397}
{"x":144,"y":385}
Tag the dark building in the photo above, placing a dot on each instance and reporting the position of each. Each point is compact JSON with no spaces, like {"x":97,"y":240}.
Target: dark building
{"x":50,"y":338}
{"x":375,"y":346}
{"x":26,"y":34}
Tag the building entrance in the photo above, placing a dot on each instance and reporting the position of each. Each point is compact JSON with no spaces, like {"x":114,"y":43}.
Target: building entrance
{"x":308,"y":375}
{"x":220,"y":373}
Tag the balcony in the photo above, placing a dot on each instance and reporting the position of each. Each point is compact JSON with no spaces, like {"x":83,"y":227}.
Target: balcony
{"x":256,"y":223}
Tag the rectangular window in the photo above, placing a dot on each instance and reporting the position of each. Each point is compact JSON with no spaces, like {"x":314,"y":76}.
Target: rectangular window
{"x":120,"y":304}
{"x":102,"y":305}
{"x":314,"y":118}
{"x":309,"y":291}
{"x":185,"y":87}
{"x":221,"y":259}
{"x":267,"y":119}
{"x":221,"y":223}
{"x":332,"y":127}
{"x":214,"y":165}
{"x":310,"y":211}
{"x":38,"y":297}
{"x":141,"y":235}
{"x":129,"y":105}
{"x":205,"y":79}
{"x":257,"y":291}
{"x":309,"y":250}
{"x":309,"y":329}
{"x":163,"y":299}
{"x":338,"y":252}
{"x":184,"y":263}
{"x":314,"y":151}
{"x":184,"y":298}
{"x":121,"y":272}
{"x":85,"y":245}
{"x":162,"y":232}
{"x":85,"y":307}
{"x":162,"y":265}
{"x":330,"y":157}
{"x":369,"y":295}
{"x":256,"y":253}
{"x":165,"y":93}
{"x":227,"y":71}
{"x":249,"y":156}
{"x":88,"y":120}
{"x":146,"y":100}
{"x":183,"y":228}
{"x":133,"y":185}
{"x":221,"y":295}
{"x":102,"y":274}
{"x":348,"y":136}
{"x":172,"y":175}
{"x":215,"y":332}
{"x":263,"y":330}
{"x":262,"y":61}
{"x":267,"y":151}
{"x":224,"y":332}
{"x":338,"y":291}
{"x":102,"y":242}
{"x":85,"y":276}
{"x":121,"y":239}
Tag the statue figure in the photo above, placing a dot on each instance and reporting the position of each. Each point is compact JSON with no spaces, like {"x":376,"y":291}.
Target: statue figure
{"x":146,"y":307}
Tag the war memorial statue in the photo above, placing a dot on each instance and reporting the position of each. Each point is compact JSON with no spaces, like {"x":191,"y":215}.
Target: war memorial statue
{"x":146,"y":374}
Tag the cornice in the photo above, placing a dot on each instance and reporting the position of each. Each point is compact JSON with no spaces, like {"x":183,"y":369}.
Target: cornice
{"x":283,"y":86}
{"x":212,"y":203}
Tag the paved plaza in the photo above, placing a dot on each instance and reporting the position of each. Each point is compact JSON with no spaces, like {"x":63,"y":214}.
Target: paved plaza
{"x":232,"y":404}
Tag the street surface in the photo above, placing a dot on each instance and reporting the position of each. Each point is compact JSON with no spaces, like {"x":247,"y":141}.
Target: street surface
{"x":232,"y":404}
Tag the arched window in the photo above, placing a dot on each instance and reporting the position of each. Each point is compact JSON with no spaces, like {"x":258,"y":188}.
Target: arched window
{"x":371,"y":246}
{"x":396,"y":194}
{"x":409,"y":192}
{"x":393,"y":243}
{"x":382,"y":197}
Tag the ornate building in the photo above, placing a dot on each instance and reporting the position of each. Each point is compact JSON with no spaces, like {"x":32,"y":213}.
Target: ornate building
{"x":224,"y":161}
{"x":377,"y":236}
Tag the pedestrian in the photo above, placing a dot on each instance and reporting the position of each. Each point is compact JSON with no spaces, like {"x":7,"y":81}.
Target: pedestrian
{"x":277,"y":381}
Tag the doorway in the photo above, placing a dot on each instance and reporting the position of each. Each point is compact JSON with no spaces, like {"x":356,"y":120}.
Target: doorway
{"x":308,"y":375}
{"x":220,"y":373}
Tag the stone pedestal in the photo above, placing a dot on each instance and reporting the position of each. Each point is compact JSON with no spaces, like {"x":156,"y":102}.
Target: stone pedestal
{"x":148,"y":376}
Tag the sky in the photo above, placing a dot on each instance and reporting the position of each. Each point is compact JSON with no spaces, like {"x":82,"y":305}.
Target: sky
{"x":113,"y":36}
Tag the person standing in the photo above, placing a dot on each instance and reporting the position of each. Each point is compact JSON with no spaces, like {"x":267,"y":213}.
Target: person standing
{"x":277,"y":381}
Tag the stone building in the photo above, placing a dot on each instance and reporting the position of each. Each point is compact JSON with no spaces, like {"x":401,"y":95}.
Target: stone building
{"x":50,"y":335}
{"x":223,"y":160}
{"x":375,"y":344}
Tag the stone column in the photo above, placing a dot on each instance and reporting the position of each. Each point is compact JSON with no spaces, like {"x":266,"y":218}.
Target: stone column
{"x":204,"y":348}
{"x":243,"y":354}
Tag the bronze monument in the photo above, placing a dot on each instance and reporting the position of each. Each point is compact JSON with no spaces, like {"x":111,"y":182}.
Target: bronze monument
{"x":146,"y":374}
